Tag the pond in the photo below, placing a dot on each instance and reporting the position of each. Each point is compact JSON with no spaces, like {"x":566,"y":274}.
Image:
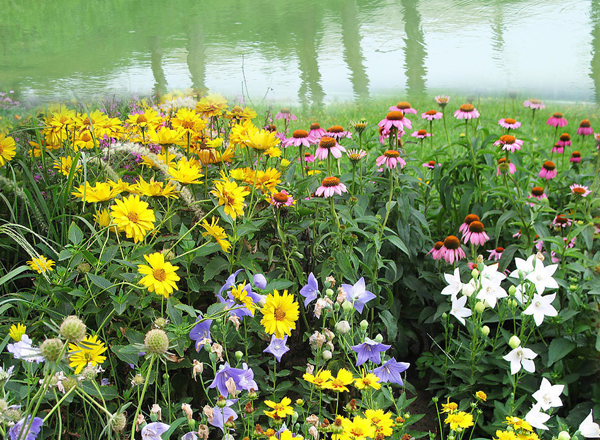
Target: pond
{"x":308,"y":51}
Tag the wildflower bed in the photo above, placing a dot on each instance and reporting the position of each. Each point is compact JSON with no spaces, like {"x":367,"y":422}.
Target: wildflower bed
{"x":188,"y":268}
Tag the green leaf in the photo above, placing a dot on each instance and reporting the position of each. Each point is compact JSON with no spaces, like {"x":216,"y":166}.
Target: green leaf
{"x":279,"y":285}
{"x":102,"y":282}
{"x":396,"y":241}
{"x":13,"y":273}
{"x":214,"y":267}
{"x":558,"y":349}
{"x":126,"y":353}
{"x":75,"y":234}
{"x":390,"y":323}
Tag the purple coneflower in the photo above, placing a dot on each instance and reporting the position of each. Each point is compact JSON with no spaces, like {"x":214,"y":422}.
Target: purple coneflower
{"x":557,"y":120}
{"x":442,"y":100}
{"x":420,"y":134}
{"x":390,"y":158}
{"x":355,"y":155}
{"x":330,"y":186}
{"x":451,"y":250}
{"x":548,"y":170}
{"x":309,"y":157}
{"x":537,"y":192}
{"x":464,"y":227}
{"x":509,"y":143}
{"x":337,"y":132}
{"x":504,"y":166}
{"x":430,"y":115}
{"x":395,"y":119}
{"x":575,"y":157}
{"x":585,"y":128}
{"x":430,"y":164}
{"x":299,"y":137}
{"x":561,"y":221}
{"x":466,"y":111}
{"x":315,"y":130}
{"x":580,"y":190}
{"x":476,"y":234}
{"x":328,"y":145}
{"x":496,"y":254}
{"x":282,"y":198}
{"x":534,"y":104}
{"x":436,"y":250}
{"x":564,"y":140}
{"x":385,"y":134}
{"x":509,"y":123}
{"x":286,"y":114}
{"x":403,"y":107}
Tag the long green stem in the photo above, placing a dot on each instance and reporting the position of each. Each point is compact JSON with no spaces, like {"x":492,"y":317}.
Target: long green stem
{"x":139,"y":406}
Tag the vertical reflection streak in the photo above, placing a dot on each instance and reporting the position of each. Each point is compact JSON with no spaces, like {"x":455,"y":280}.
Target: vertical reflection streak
{"x":353,"y":51}
{"x":414,"y":49}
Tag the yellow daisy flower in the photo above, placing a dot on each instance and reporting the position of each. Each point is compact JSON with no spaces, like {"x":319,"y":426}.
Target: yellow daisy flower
{"x":155,"y":189}
{"x":267,"y":180}
{"x":449,"y":407}
{"x":260,"y":139}
{"x":160,"y":275}
{"x":217,"y":232}
{"x":273,"y":152}
{"x":188,"y":120}
{"x":505,"y":435}
{"x":88,"y":351}
{"x":280,"y":314}
{"x":280,"y":410}
{"x":64,"y":166}
{"x":133,"y":216}
{"x":17,"y":331}
{"x":518,"y":424}
{"x":84,"y":140}
{"x":344,"y":377}
{"x":186,"y":172}
{"x":357,"y":429}
{"x":104,"y":220}
{"x":481,"y":395}
{"x":100,"y":192}
{"x":7,"y":149}
{"x":41,"y":265}
{"x":367,"y":380}
{"x":381,"y":421}
{"x":459,"y":419}
{"x":320,"y":380}
{"x":211,"y":105}
{"x":232,"y":196}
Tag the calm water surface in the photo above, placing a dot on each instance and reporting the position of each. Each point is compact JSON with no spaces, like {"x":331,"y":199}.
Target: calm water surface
{"x":308,"y":51}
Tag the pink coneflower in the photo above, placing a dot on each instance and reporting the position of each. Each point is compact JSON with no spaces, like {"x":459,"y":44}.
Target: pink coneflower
{"x":466,"y":111}
{"x":509,"y":143}
{"x":509,"y":123}
{"x":271,"y":128}
{"x":557,"y":149}
{"x":548,"y":170}
{"x":561,"y":221}
{"x":517,"y":234}
{"x":575,"y":157}
{"x":403,"y":107}
{"x":299,"y":137}
{"x":537,"y":192}
{"x":430,"y":164}
{"x":442,"y":100}
{"x":395,"y":119}
{"x":286,"y":114}
{"x":330,"y":186}
{"x":505,"y":166}
{"x":585,"y":128}
{"x":385,"y":134}
{"x":564,"y":140}
{"x":571,"y":243}
{"x":597,"y":137}
{"x":390,"y":158}
{"x":282,"y":198}
{"x":451,"y":250}
{"x":355,"y":155}
{"x":430,"y":115}
{"x":464,"y":228}
{"x":337,"y":132}
{"x":496,"y":254}
{"x":420,"y":134}
{"x":316,"y":131}
{"x":534,"y":104}
{"x":326,"y":145}
{"x":436,"y":250}
{"x":476,"y":234}
{"x":580,"y":190}
{"x":308,"y":157}
{"x":557,"y":120}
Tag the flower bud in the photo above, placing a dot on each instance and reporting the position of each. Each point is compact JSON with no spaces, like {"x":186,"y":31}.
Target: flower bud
{"x":260,"y":281}
{"x":84,"y":267}
{"x":347,"y":306}
{"x":156,"y":341}
{"x":513,"y":303}
{"x":485,"y":331}
{"x":51,"y":349}
{"x":327,"y":355}
{"x":118,"y":422}
{"x":239,"y":355}
{"x":160,"y":322}
{"x":468,"y":289}
{"x":3,"y":405}
{"x":378,"y":338}
{"x":138,"y":379}
{"x":73,"y":329}
{"x":343,"y":327}
{"x":475,"y":273}
{"x":479,"y":307}
{"x":564,"y":435}
{"x":299,"y":402}
{"x":89,"y":373}
{"x":512,"y":290}
{"x":364,"y":325}
{"x":329,"y":292}
{"x":514,"y":342}
{"x":221,"y":402}
{"x":69,"y":383}
{"x":168,"y":254}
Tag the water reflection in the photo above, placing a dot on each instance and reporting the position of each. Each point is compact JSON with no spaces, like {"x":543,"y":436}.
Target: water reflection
{"x":310,"y":51}
{"x":414,"y":49}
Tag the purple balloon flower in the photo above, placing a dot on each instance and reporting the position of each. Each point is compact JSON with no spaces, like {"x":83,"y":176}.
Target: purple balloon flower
{"x":200,"y":332}
{"x":369,"y":351}
{"x":246,"y":379}
{"x":390,"y":371}
{"x":310,"y":290}
{"x":153,"y":431}
{"x":230,"y":282}
{"x":243,"y":378}
{"x":277,"y":347}
{"x":260,"y":281}
{"x":357,"y":294}
{"x":22,"y":427}
{"x":221,"y":415}
{"x":190,"y":436}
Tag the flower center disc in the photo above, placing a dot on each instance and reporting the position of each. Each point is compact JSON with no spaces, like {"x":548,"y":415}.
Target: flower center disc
{"x":327,"y":142}
{"x":585,"y":123}
{"x":391,"y":153}
{"x":452,"y":242}
{"x":557,"y":115}
{"x":510,"y":120}
{"x":395,"y":116}
{"x":280,"y":197}
{"x":315,"y":126}
{"x":431,"y":112}
{"x":159,"y":274}
{"x":467,"y":108}
{"x":507,"y":139}
{"x":299,"y":134}
{"x":579,"y":191}
{"x":402,"y":105}
{"x":476,"y":227}
{"x":330,"y":181}
{"x":537,"y":191}
{"x":133,"y":217}
{"x":565,"y":137}
{"x":549,"y":165}
{"x":335,"y":129}
{"x":279,"y":314}
{"x":422,"y":132}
